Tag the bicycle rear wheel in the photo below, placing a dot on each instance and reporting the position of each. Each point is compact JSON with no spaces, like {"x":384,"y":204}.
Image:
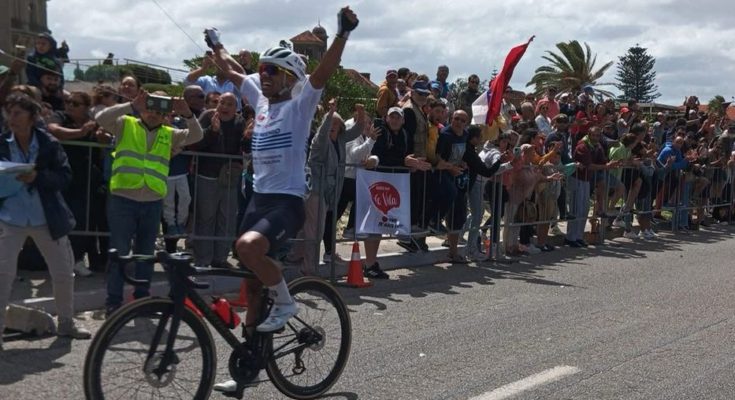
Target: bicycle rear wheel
{"x":116,"y":367}
{"x":310,"y":355}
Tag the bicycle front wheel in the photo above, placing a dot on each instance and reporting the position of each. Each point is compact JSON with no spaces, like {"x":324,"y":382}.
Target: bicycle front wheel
{"x":310,"y":355}
{"x":118,"y":365}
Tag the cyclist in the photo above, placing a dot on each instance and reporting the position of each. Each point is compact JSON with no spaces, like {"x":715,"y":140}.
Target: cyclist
{"x":279,"y":142}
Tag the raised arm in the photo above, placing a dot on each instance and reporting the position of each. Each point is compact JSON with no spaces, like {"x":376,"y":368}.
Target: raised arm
{"x":347,"y":21}
{"x":207,"y":63}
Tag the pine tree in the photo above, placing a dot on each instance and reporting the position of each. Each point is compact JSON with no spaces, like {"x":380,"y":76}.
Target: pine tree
{"x":636,"y":76}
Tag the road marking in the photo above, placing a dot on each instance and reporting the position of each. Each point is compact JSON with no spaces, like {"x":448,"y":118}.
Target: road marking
{"x":542,"y":378}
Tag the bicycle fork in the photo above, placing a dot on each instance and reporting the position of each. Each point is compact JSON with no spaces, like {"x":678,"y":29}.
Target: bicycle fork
{"x":168,"y":357}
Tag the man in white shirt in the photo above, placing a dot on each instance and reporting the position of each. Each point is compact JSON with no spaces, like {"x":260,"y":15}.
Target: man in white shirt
{"x":276,"y":212}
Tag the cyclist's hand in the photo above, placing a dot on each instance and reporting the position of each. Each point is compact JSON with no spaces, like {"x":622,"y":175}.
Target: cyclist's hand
{"x":346,"y":22}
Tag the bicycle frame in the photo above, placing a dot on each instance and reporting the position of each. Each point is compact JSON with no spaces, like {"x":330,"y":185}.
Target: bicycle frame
{"x":178,"y":268}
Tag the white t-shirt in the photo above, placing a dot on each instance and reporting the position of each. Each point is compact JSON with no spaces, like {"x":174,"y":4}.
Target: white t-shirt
{"x":280,"y":139}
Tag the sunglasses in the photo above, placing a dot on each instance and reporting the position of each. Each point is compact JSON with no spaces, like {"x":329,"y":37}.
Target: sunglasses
{"x":474,"y":81}
{"x":73,"y":103}
{"x":459,"y":119}
{"x":272,"y":70}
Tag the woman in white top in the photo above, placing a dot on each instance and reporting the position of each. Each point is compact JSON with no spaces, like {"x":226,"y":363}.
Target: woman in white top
{"x":543,"y":122}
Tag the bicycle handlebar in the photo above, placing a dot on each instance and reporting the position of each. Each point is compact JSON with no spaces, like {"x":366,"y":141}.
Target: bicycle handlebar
{"x":181,"y":262}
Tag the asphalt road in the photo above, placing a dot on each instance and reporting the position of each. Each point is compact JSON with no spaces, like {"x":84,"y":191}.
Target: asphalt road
{"x":643,"y":320}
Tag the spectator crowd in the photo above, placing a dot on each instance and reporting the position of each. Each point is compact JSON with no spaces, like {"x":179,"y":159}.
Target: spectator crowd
{"x":546,"y":160}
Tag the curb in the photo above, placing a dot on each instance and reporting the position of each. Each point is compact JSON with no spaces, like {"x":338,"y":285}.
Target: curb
{"x":94,"y":299}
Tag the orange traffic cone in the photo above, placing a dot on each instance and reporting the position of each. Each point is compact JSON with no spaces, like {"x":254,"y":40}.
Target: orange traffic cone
{"x":354,"y":272}
{"x":242,"y":298}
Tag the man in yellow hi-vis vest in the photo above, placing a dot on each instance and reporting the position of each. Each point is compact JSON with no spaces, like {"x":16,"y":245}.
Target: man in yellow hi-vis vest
{"x":143,"y":146}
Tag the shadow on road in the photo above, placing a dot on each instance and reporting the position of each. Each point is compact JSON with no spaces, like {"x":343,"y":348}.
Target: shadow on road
{"x":16,"y":364}
{"x":446,"y":278}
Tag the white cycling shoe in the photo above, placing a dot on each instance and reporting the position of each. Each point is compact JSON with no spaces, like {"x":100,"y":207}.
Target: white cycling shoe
{"x":226,"y":386}
{"x":278,"y":317}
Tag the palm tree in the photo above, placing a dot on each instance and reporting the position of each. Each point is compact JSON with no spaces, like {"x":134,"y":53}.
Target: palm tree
{"x":570,"y":70}
{"x":716,"y":105}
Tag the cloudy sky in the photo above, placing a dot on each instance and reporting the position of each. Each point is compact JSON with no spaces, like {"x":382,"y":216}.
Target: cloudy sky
{"x":693,"y":42}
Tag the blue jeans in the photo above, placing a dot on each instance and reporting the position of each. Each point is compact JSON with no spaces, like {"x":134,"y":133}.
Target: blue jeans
{"x":131,"y":220}
{"x":444,"y":196}
{"x":473,"y":223}
{"x":682,"y":218}
{"x":579,"y":208}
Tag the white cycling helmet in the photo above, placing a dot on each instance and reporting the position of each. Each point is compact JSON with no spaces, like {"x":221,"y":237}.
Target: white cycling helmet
{"x":286,"y":59}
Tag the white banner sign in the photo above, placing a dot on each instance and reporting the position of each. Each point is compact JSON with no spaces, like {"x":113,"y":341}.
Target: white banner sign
{"x":383,"y":203}
{"x":479,"y":109}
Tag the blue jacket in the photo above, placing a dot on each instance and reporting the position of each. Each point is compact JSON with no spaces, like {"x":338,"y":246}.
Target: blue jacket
{"x":679,"y":163}
{"x":53,"y":176}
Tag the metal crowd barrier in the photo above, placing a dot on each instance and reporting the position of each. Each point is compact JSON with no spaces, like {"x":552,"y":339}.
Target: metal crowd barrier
{"x":667,"y":190}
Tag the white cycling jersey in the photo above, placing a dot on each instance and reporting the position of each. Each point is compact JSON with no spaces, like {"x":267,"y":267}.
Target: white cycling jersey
{"x":280,"y":138}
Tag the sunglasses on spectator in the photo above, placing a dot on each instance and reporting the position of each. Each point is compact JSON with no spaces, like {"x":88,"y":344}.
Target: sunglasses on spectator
{"x":272,"y":69}
{"x":474,"y":81}
{"x":73,"y":103}
{"x":460,"y":119}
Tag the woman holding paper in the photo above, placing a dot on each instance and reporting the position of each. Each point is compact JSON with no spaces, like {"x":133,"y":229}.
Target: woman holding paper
{"x":36,"y":209}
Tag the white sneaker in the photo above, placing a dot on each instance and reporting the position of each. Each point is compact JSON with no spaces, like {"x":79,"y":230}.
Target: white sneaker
{"x":619,"y":223}
{"x":653,"y":234}
{"x":327,"y":258}
{"x":279,"y":315}
{"x":630,"y":235}
{"x":532,"y":249}
{"x":226,"y":386}
{"x":80,"y":269}
{"x":648,"y":235}
{"x":67,"y":328}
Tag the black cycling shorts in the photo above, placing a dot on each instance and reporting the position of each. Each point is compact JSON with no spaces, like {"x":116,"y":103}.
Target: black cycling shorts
{"x":278,"y":217}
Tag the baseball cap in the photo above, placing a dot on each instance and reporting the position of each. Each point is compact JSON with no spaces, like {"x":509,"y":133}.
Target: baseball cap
{"x":398,"y":110}
{"x":435,"y":85}
{"x":421,"y":87}
{"x":391,"y":72}
{"x":624,"y":110}
{"x":588,"y":88}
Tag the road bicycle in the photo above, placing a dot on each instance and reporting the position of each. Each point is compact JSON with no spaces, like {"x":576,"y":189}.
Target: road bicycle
{"x":161,"y":347}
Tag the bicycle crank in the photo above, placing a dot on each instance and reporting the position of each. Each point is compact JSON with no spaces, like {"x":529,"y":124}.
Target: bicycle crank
{"x":244,"y":365}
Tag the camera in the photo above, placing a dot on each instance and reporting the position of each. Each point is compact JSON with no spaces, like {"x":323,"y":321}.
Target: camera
{"x":161,"y":104}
